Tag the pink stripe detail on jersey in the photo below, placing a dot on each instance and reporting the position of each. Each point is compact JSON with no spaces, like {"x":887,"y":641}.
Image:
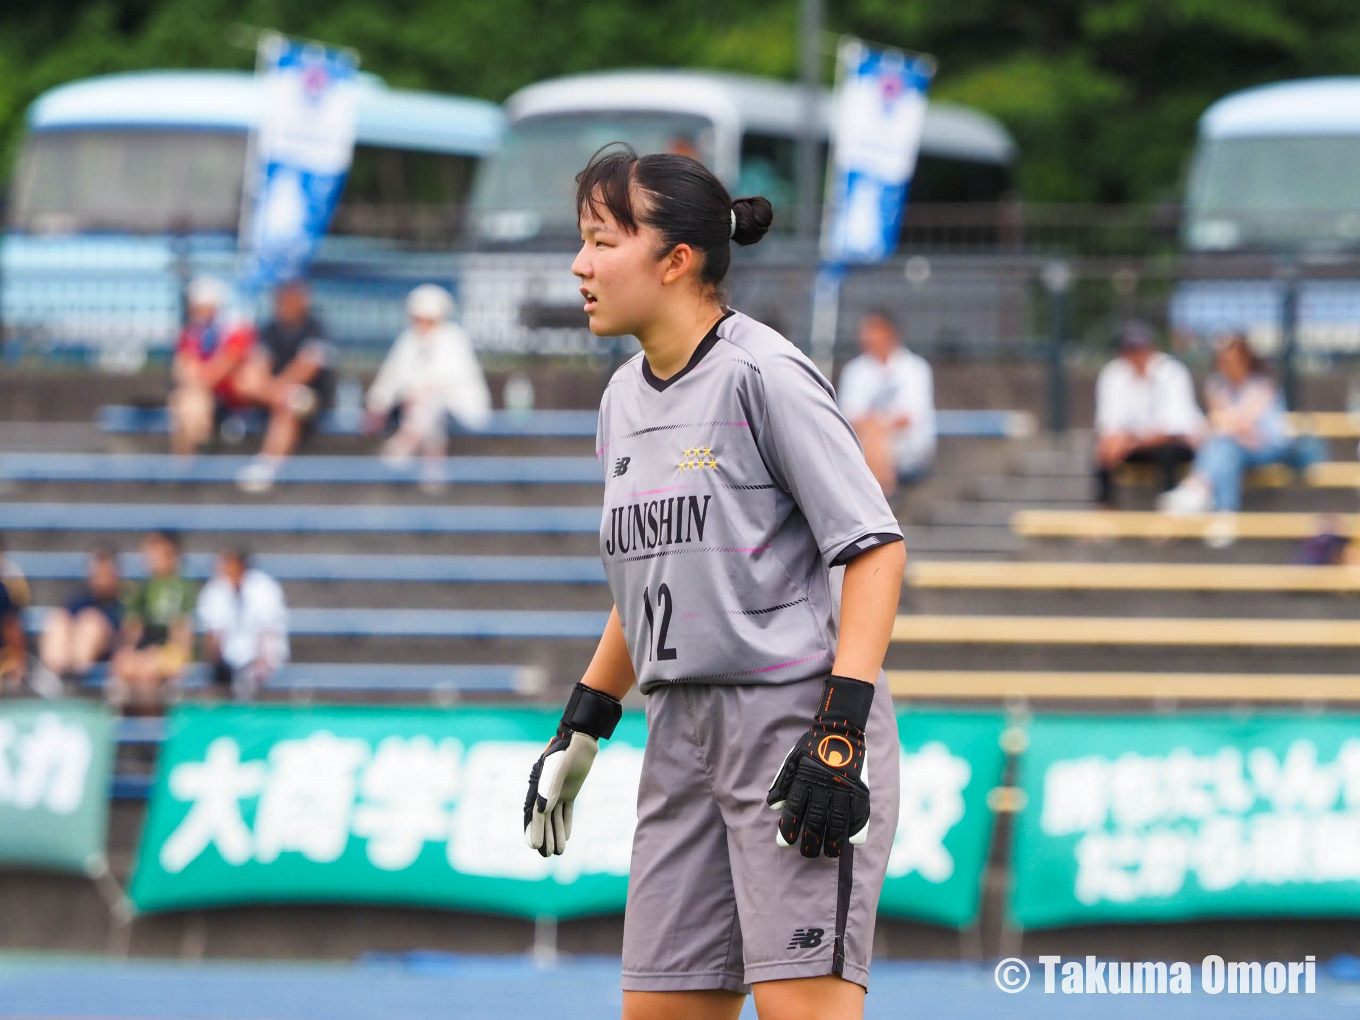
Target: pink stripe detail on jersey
{"x":669,"y":488}
{"x":795,"y":662}
{"x":733,"y":549}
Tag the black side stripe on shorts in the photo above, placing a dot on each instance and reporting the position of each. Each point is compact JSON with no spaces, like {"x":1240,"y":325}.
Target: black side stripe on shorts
{"x":845,"y":881}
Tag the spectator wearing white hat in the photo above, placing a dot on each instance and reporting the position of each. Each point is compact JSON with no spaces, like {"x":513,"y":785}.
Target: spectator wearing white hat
{"x":211,"y":365}
{"x":431,"y":372}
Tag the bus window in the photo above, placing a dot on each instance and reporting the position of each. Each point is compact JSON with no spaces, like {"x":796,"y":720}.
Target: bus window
{"x":158,"y":181}
{"x":941,"y":179}
{"x":1273,"y":190}
{"x":769,"y":167}
{"x":525,"y":190}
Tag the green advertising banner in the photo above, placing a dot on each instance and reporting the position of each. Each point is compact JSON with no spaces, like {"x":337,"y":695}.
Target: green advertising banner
{"x":420,"y":806}
{"x":55,"y":761}
{"x":1153,"y":819}
{"x":424,"y":806}
{"x":950,"y":762}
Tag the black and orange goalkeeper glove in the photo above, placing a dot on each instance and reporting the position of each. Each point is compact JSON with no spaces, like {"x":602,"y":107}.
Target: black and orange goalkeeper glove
{"x":822,"y":788}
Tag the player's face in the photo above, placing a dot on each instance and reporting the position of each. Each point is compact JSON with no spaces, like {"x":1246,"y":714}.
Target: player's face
{"x":620,"y":274}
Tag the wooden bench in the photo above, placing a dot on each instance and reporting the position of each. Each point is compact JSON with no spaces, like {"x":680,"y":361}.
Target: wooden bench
{"x":1085,"y":686}
{"x":1066,"y":576}
{"x":1148,"y":524}
{"x":1127,"y":630}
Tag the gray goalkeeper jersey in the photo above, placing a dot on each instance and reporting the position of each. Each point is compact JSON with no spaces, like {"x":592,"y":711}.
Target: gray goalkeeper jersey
{"x":731,"y":489}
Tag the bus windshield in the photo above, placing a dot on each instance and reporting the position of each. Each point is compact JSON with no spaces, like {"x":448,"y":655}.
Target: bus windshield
{"x":1274,"y":191}
{"x":526,"y":189}
{"x":140,"y":181}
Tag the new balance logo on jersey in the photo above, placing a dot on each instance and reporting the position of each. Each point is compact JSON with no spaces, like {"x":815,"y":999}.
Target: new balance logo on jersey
{"x":621,"y":466}
{"x":806,"y":938}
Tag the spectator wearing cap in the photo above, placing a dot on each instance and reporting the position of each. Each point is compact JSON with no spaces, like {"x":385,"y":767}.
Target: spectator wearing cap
{"x":211,"y":367}
{"x":1145,"y":412}
{"x":244,"y":620}
{"x":291,"y":377}
{"x":887,"y":394}
{"x":430,"y":373}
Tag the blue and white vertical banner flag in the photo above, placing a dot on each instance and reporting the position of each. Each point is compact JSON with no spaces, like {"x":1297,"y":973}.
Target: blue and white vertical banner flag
{"x":879,"y":110}
{"x":301,"y":152}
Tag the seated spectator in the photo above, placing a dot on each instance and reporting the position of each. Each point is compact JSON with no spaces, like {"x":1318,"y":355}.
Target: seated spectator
{"x":211,"y":373}
{"x":244,"y":620}
{"x":888,"y":395}
{"x":431,"y":372}
{"x":13,"y":578}
{"x":13,"y":643}
{"x":1145,"y":413}
{"x":1247,"y":429}
{"x":84,"y":631}
{"x":157,"y":639}
{"x":291,"y":377}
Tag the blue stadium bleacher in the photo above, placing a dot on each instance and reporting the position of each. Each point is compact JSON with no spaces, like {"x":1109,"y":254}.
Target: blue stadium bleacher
{"x":436,"y":623}
{"x":154,"y":467}
{"x":69,"y":566}
{"x":366,"y":677}
{"x":125,"y":420}
{"x":299,"y":518}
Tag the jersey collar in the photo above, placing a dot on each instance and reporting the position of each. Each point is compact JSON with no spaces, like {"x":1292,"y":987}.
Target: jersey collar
{"x":705,"y":345}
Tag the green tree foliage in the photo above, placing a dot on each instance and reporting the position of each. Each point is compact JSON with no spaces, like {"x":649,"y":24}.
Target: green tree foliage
{"x":1103,"y":95}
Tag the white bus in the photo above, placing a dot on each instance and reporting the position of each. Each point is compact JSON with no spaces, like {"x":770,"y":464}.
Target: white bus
{"x":1276,"y":174}
{"x":517,"y":291}
{"x":128,"y":183}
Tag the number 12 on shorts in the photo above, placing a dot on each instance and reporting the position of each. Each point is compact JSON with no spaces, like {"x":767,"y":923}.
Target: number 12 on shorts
{"x":656,"y":636}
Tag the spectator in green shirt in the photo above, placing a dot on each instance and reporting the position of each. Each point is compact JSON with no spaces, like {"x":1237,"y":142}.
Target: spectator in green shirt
{"x":157,"y":639}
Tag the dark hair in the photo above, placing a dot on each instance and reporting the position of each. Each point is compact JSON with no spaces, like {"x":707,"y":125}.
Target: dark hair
{"x":1256,"y":365}
{"x":169,"y":537}
{"x":680,"y":199}
{"x":236,"y":554}
{"x":882,"y":314}
{"x":104,"y":554}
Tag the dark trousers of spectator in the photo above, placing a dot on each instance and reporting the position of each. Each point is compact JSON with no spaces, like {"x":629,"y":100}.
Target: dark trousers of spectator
{"x":1168,"y":458}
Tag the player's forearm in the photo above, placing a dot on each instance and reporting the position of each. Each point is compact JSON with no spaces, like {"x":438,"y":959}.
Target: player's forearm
{"x":869,"y":596}
{"x":611,"y":668}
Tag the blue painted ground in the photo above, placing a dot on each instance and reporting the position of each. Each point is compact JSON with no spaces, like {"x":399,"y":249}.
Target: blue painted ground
{"x":511,"y":988}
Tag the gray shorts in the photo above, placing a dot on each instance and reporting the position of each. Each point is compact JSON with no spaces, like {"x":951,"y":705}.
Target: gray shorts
{"x":713,"y":901}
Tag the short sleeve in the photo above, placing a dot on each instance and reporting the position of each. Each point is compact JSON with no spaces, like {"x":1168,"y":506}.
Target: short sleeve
{"x":812,"y":453}
{"x":853,"y":393}
{"x":213,"y":614}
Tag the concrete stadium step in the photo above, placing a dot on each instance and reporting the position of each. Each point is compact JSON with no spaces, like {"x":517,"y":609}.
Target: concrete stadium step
{"x":562,"y":660}
{"x":1138,"y":658}
{"x":1109,"y":576}
{"x":1096,"y":524}
{"x":305,"y":678}
{"x":123,"y":418}
{"x":1130,"y":643}
{"x":1105,"y":686}
{"x":1228,"y":604}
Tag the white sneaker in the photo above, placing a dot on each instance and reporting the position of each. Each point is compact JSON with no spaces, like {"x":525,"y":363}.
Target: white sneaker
{"x":257,"y":476}
{"x":1221,"y":532}
{"x":1187,"y":498}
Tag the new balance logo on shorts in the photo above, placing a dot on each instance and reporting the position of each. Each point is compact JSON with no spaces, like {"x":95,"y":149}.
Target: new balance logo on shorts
{"x":806,"y":938}
{"x":621,"y":466}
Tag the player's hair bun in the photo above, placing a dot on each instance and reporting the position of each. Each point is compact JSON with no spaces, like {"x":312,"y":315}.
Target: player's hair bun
{"x":754,"y":216}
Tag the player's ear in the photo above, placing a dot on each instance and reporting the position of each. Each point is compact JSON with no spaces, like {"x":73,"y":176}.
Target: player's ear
{"x":677,"y":262}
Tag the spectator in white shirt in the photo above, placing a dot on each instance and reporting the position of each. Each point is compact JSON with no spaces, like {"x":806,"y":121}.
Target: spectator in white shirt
{"x":430,"y":372}
{"x":244,"y":620}
{"x":1145,"y":412}
{"x":888,"y":395}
